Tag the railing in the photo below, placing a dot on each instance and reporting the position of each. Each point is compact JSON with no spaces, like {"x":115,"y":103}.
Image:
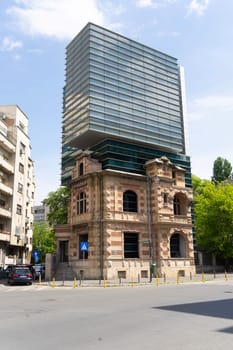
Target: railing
{"x":178,"y":219}
{"x":5,"y":212}
{"x":6,"y":188}
{"x":6,"y":164}
{"x":4,"y":235}
{"x":7,"y":144}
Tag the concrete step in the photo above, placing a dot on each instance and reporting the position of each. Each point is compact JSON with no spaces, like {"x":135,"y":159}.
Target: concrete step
{"x":64,"y":272}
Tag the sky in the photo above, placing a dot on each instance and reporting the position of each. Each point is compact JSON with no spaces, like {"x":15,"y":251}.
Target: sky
{"x":33,"y":39}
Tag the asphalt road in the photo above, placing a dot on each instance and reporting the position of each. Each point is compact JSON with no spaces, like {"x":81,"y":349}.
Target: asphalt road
{"x":186,"y":316}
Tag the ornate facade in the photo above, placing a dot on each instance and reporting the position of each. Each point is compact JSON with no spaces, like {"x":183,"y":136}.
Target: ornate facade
{"x":129,"y":222}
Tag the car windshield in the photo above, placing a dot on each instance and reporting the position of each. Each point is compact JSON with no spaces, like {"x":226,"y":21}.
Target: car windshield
{"x":22,"y":271}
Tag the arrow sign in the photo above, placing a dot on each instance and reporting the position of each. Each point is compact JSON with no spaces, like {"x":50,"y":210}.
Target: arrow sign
{"x":84,"y":246}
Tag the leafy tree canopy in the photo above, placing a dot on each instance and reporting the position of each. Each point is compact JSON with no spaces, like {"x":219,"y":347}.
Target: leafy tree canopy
{"x":213,"y":209}
{"x":58,"y":206}
{"x":43,"y":240}
{"x":221,"y":170}
{"x":198,"y":184}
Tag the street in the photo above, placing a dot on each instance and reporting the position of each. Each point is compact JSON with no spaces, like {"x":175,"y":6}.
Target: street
{"x":186,"y":316}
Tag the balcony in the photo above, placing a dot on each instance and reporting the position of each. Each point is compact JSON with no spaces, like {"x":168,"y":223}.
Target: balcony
{"x":126,"y":216}
{"x":6,"y":144}
{"x":6,"y":212}
{"x":177,"y":219}
{"x":4,"y":236}
{"x":6,"y":165}
{"x":5,"y":188}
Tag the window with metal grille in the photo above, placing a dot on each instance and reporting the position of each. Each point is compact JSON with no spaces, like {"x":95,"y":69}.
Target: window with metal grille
{"x":131,"y":245}
{"x":81,"y":203}
{"x":130,"y":202}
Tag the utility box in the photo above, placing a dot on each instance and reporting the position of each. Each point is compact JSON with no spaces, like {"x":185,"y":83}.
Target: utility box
{"x":153,"y":269}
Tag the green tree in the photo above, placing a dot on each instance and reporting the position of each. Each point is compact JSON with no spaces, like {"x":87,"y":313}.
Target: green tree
{"x":43,"y":240}
{"x":198,"y":184}
{"x":221,"y":170}
{"x":213,"y":210}
{"x":58,"y":206}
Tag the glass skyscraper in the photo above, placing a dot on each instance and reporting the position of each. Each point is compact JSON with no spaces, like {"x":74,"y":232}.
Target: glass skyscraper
{"x":123,"y":101}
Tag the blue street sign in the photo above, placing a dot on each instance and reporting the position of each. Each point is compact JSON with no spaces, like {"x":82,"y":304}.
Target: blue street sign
{"x":35,"y":255}
{"x":84,"y":246}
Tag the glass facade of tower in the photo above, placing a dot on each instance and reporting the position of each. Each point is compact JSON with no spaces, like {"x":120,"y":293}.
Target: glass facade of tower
{"x":117,"y":88}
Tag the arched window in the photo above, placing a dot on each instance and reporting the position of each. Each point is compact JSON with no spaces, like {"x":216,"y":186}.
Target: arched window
{"x":130,"y":202}
{"x":177,"y":246}
{"x":81,"y":203}
{"x":80,"y":169}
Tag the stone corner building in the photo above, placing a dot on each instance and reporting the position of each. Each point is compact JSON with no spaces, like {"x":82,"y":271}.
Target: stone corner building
{"x":129,"y":221}
{"x":124,"y":157}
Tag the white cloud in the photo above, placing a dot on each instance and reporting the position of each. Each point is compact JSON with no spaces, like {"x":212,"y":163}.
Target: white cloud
{"x":144,"y":3}
{"x":154,"y":3}
{"x":198,"y":6}
{"x":9,"y":44}
{"x":60,"y":19}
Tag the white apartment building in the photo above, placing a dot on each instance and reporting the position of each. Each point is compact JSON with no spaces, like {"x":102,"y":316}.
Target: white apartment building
{"x":16,"y":187}
{"x":40,"y":213}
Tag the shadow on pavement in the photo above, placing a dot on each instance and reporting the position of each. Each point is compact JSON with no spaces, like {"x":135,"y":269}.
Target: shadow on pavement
{"x":215,"y":308}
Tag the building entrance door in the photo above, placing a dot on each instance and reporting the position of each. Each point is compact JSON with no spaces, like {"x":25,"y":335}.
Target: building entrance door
{"x":63,"y":251}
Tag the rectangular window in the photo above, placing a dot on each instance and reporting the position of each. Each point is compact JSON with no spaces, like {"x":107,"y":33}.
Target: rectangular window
{"x":83,"y":254}
{"x":21,"y":148}
{"x":165,"y":198}
{"x":21,"y":168}
{"x":19,"y":209}
{"x":131,"y":245}
{"x":20,"y":188}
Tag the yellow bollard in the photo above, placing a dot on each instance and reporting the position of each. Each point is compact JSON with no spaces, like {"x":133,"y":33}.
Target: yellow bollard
{"x":75,"y":284}
{"x":157,"y":280}
{"x":53,"y":283}
{"x":105,"y":285}
{"x":132,"y":282}
{"x":39,"y":278}
{"x":203,"y":277}
{"x":226,"y":276}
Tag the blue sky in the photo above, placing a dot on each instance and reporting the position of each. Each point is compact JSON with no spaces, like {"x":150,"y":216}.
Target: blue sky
{"x":35,"y":33}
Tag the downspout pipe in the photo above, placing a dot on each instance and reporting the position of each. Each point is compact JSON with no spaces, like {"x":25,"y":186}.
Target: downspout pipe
{"x":149,"y":224}
{"x":101,"y":226}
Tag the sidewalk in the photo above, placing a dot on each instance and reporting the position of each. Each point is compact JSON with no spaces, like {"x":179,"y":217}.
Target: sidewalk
{"x":198,"y":278}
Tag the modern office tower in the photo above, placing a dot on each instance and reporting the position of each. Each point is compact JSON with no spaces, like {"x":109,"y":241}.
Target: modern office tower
{"x":123,"y":101}
{"x":124,"y":158}
{"x":16,"y":187}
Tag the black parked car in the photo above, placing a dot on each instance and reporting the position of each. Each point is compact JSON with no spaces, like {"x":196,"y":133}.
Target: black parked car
{"x":5,"y":272}
{"x":20,"y":275}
